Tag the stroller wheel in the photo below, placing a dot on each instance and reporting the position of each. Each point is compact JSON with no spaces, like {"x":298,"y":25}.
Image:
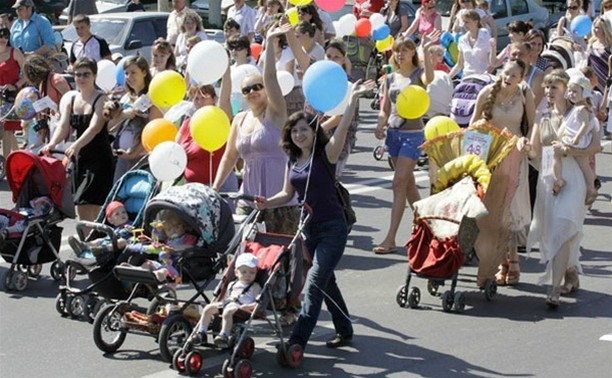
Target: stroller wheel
{"x":378,"y":152}
{"x":447,"y":301}
{"x":76,"y":306}
{"x":247,"y":348}
{"x":57,"y":270}
{"x":97,"y":306}
{"x":432,"y":287}
{"x":34,"y":270}
{"x":90,"y":305}
{"x":243,"y":369}
{"x":414,"y":298}
{"x":227,"y":370}
{"x":108,"y":331}
{"x":8,"y":280}
{"x":174,"y":333}
{"x":60,"y":303}
{"x":490,"y":289}
{"x":391,"y":165}
{"x":193,"y":363}
{"x":459,"y":305}
{"x":178,"y":361}
{"x":19,"y":281}
{"x":402,"y":296}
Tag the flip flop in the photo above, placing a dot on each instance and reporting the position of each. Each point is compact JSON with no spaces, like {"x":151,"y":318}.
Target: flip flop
{"x":381,"y":250}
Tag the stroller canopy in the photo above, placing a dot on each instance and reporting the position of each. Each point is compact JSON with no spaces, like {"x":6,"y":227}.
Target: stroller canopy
{"x":30,"y":175}
{"x":200,"y":207}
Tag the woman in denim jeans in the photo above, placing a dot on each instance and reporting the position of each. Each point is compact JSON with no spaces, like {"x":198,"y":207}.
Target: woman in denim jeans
{"x":312,"y":162}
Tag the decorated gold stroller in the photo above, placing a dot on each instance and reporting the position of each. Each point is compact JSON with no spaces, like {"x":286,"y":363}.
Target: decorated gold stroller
{"x":445,"y":228}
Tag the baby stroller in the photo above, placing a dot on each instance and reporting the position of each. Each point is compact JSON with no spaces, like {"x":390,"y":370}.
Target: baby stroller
{"x":204,"y":211}
{"x":445,"y":229}
{"x":134,"y":190}
{"x":283,"y":262}
{"x":30,"y":176}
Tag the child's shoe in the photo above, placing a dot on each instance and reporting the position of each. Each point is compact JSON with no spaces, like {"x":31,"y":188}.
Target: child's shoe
{"x":77,"y":246}
{"x":199,"y":338}
{"x":221,"y":342}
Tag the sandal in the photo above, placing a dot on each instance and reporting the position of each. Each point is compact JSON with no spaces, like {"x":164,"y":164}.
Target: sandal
{"x":513,"y":276}
{"x":382,"y":250}
{"x":552,"y":300}
{"x":502,"y":275}
{"x":572,"y":283}
{"x":288,"y":319}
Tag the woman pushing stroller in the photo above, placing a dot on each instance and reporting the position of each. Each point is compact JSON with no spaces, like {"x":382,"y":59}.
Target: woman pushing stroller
{"x":310,"y":174}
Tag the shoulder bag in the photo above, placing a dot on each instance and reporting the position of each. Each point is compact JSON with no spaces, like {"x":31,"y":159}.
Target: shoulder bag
{"x":344,"y":196}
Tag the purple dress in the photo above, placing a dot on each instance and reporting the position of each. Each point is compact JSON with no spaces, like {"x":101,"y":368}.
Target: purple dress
{"x":264,"y":161}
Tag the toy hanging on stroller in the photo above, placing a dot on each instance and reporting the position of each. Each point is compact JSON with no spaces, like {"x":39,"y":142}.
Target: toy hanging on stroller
{"x":38,"y":237}
{"x":445,"y":224}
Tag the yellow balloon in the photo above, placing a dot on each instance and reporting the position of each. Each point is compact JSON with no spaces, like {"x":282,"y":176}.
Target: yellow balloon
{"x":385,"y":44}
{"x":167,"y":88}
{"x":453,"y":50}
{"x":292,"y":15}
{"x":440,"y":125}
{"x":412,"y":102}
{"x":210,"y":128}
{"x":300,"y":3}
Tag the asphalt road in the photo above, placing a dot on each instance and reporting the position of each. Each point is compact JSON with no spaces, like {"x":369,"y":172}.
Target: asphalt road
{"x":514,"y":335}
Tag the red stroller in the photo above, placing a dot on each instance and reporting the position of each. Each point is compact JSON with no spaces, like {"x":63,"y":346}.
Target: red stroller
{"x":30,"y":176}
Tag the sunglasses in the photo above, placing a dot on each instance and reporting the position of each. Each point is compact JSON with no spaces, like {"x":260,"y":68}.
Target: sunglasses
{"x":82,"y":74}
{"x":249,"y":88}
{"x":573,"y":7}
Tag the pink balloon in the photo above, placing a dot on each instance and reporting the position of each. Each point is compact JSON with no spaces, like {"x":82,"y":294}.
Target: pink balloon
{"x":330,"y":5}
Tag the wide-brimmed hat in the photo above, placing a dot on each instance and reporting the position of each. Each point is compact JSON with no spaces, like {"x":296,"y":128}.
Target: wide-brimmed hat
{"x":23,"y":3}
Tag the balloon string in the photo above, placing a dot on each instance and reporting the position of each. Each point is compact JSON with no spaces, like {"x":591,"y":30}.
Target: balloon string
{"x":210,"y":169}
{"x":8,"y":113}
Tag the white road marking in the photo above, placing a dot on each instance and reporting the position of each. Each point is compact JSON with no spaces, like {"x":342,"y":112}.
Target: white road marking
{"x":607,"y":337}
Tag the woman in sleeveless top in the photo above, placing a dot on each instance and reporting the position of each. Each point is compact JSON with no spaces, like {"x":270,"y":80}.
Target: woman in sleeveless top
{"x":11,"y":61}
{"x":81,"y":111}
{"x":310,"y":175}
{"x":254,"y":137}
{"x":127,"y":121}
{"x":557,"y":219}
{"x":427,"y":19}
{"x":39,"y":72}
{"x":476,"y":53}
{"x":404,"y":136}
{"x":504,"y":104}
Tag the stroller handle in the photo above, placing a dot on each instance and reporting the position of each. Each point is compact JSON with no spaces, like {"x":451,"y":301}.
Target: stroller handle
{"x":239,"y":196}
{"x":107,"y":230}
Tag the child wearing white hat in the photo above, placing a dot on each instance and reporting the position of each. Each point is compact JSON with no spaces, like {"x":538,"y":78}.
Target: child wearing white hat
{"x":241,"y":295}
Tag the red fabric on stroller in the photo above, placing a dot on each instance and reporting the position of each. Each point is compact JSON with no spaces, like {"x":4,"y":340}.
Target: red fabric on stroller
{"x":429,"y":256}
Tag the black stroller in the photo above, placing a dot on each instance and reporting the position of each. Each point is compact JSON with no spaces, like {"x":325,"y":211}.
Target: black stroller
{"x":30,"y":176}
{"x":210,"y":216}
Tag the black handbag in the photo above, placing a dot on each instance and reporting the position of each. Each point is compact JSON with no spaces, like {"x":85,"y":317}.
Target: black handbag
{"x":345,"y":198}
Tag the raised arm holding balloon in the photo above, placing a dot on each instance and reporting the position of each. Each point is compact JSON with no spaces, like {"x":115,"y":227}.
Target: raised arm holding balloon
{"x":81,"y":111}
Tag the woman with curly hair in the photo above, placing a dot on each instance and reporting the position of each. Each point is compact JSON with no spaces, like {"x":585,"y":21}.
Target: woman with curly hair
{"x":509,"y":104}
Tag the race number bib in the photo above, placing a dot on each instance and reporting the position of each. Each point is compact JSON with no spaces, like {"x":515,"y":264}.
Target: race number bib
{"x":548,"y":155}
{"x":476,"y":144}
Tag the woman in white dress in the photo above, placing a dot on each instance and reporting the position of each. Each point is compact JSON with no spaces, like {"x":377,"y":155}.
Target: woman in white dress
{"x":557,"y":220}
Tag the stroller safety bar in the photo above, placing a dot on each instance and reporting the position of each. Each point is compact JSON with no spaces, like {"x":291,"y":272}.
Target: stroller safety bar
{"x":102,"y":228}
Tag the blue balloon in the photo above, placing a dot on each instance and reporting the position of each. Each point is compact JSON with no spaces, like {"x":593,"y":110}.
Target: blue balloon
{"x":448,"y":59}
{"x":446,"y":38}
{"x":381,"y":32}
{"x":456,"y":37}
{"x":324,"y":84}
{"x":581,"y":26}
{"x":120,"y":72}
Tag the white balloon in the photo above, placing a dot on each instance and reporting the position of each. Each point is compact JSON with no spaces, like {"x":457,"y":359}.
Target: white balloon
{"x":207,"y":62}
{"x":167,"y":161}
{"x":106,"y":78}
{"x":338,"y":29}
{"x":347,"y":24}
{"x":286,"y":81}
{"x":339,"y":110}
{"x":238,"y":73}
{"x":376,"y":20}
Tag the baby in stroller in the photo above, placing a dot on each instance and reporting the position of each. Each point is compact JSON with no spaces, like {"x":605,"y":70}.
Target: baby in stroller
{"x":241,"y":295}
{"x":16,"y":223}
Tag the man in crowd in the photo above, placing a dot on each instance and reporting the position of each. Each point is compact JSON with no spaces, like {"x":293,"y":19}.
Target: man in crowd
{"x":7,"y":20}
{"x":245,"y":16}
{"x":175,"y":19}
{"x":31,"y":32}
{"x":76,"y":7}
{"x":88,"y":45}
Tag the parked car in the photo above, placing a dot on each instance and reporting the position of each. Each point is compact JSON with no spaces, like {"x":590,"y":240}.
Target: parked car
{"x":112,"y":6}
{"x":126,"y":33}
{"x":504,"y":12}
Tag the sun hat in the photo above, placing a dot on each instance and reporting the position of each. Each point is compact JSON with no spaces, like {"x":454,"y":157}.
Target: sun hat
{"x":246,"y":259}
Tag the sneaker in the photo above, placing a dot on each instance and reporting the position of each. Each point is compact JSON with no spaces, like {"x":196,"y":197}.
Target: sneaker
{"x":339,"y":341}
{"x":221,"y":342}
{"x":77,"y":246}
{"x":199,"y":338}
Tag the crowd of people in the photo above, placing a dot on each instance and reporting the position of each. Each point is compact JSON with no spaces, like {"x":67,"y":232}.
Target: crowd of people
{"x":283,"y":152}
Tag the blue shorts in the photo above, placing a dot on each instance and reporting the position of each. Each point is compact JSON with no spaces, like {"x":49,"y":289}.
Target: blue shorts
{"x":404,"y":143}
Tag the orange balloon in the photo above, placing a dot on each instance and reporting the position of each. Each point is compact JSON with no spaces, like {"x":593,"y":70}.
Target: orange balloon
{"x":157,"y":131}
{"x":256,"y":49}
{"x":363,"y":27}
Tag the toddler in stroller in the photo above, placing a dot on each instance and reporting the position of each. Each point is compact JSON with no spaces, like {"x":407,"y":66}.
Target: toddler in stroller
{"x":15,"y":223}
{"x":240,"y":295}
